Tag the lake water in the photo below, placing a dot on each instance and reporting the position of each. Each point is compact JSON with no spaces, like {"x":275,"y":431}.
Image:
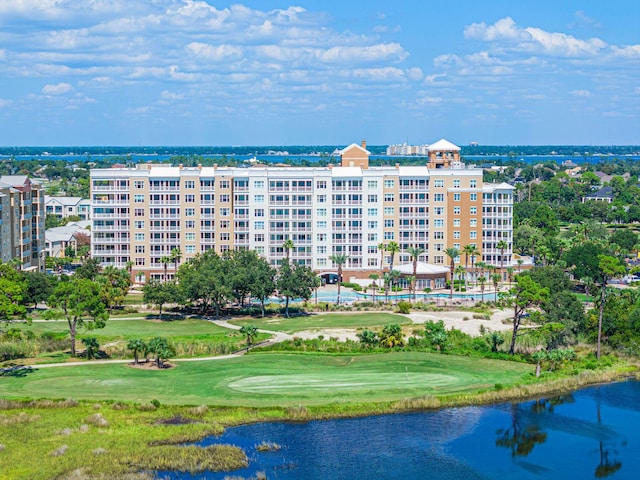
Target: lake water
{"x":592,"y":433}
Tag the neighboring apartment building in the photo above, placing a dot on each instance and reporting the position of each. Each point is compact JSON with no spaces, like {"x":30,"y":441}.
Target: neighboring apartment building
{"x":22,"y":216}
{"x":65,"y":207}
{"x":140,"y":214}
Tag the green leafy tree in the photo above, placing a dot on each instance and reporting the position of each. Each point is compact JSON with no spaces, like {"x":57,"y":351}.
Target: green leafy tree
{"x":158,"y":294}
{"x":524,"y":295}
{"x":610,"y":267}
{"x":137,"y":346}
{"x":39,"y":287}
{"x":206,"y":280}
{"x":115,"y":283}
{"x":339,"y":259}
{"x":262,"y":282}
{"x":77,"y":300}
{"x":436,"y":334}
{"x":161,"y":349}
{"x":13,"y":289}
{"x":368,"y":338}
{"x":90,"y":269}
{"x":295,"y":282}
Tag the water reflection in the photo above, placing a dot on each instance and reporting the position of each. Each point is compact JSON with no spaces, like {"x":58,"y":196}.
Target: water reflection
{"x":590,"y":434}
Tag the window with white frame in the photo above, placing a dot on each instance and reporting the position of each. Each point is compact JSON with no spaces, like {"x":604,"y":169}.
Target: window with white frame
{"x":389,"y":183}
{"x":456,"y":197}
{"x":456,"y":222}
{"x":372,"y":212}
{"x":456,"y":210}
{"x":473,"y":183}
{"x":473,"y":222}
{"x":438,"y":183}
{"x":473,"y":235}
{"x":473,"y":197}
{"x":372,"y":184}
{"x":473,"y":210}
{"x":389,"y":210}
{"x":190,"y":249}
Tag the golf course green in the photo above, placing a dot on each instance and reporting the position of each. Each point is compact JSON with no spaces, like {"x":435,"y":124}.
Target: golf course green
{"x":262,"y":380}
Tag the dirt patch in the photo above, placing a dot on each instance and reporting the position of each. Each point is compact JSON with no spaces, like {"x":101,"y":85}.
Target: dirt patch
{"x":150,"y":366}
{"x":342,"y":334}
{"x":177,"y":420}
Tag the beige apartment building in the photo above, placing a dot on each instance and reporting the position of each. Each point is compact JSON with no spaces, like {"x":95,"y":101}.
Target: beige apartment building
{"x":140,"y":214}
{"x":22,"y":221}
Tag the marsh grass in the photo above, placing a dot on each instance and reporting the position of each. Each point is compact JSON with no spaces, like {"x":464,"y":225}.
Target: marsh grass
{"x":265,"y":446}
{"x":97,"y":420}
{"x":193,"y":459}
{"x":22,"y":417}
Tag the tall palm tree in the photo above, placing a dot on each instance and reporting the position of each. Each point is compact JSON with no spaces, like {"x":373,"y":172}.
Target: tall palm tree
{"x":339,"y":259}
{"x":382,"y":248}
{"x":460,"y":270}
{"x":287,"y":246}
{"x":414,"y":252}
{"x":469,"y":251}
{"x":482,"y":280}
{"x":481,"y":266}
{"x":502,"y":246}
{"x":495,"y":278}
{"x":165,"y":260}
{"x":392,"y":248}
{"x":452,"y":253}
{"x":176,"y":255}
{"x":374,"y":277}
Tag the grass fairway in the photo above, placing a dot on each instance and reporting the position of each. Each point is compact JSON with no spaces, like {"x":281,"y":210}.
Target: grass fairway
{"x":322,"y":321}
{"x":262,"y":380}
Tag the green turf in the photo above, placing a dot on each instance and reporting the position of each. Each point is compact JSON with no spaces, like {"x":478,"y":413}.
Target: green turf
{"x":144,"y":329}
{"x":272,"y":379}
{"x":322,"y":321}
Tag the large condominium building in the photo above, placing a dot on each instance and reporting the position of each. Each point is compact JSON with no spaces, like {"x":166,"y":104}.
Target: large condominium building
{"x":141,"y":214}
{"x":22,"y":221}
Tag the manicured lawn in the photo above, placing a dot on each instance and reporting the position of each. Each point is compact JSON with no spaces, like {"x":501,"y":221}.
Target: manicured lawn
{"x":272,"y":379}
{"x":145,"y":329}
{"x":329,"y":320}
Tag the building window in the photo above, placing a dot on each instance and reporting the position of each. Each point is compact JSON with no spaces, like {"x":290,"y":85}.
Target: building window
{"x":322,"y":262}
{"x":372,"y":237}
{"x":138,"y":184}
{"x":322,"y":212}
{"x":225,"y":184}
{"x":139,"y":249}
{"x":372,"y":184}
{"x":190,"y":198}
{"x":372,"y":224}
{"x":438,"y":210}
{"x":139,"y":237}
{"x":438,"y":222}
{"x":321,"y":237}
{"x":456,"y":210}
{"x":456,"y":235}
{"x":388,"y":223}
{"x":372,"y":212}
{"x":190,"y":236}
{"x":389,"y":210}
{"x":389,"y":235}
{"x":224,"y":236}
{"x":473,"y":235}
{"x":138,"y":198}
{"x":473,"y":183}
{"x":225,"y":212}
{"x":438,"y":183}
{"x":456,"y":184}
{"x":258,"y":237}
{"x":190,"y":249}
{"x":258,"y":225}
{"x":473,"y":222}
{"x":456,"y":222}
{"x":321,"y":198}
{"x":473,"y":197}
{"x":389,"y":183}
{"x":473,"y":211}
{"x":258,"y":184}
{"x":322,"y":224}
{"x":190,"y":224}
{"x":389,"y":197}
{"x":372,"y":198}
{"x":258,"y":212}
{"x":225,"y":198}
{"x":321,"y":184}
{"x":438,"y":197}
{"x":438,"y":235}
{"x":189,"y":184}
{"x":140,"y":261}
{"x":138,"y":224}
{"x":321,"y":249}
{"x":456,"y":197}
{"x":190,"y":212}
{"x":138,"y":212}
{"x":258,"y":199}
{"x":372,"y":262}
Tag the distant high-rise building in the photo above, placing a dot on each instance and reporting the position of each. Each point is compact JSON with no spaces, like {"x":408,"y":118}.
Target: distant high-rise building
{"x":22,"y":221}
{"x":141,"y":214}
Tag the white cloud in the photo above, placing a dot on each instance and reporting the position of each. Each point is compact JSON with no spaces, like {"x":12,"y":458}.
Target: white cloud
{"x":5,"y":102}
{"x":213,"y":52}
{"x":58,"y":89}
{"x":580,"y":93}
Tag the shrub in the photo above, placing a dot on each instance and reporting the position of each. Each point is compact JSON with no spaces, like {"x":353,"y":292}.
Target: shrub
{"x":155,"y":403}
{"x":404,"y":307}
{"x":97,"y":420}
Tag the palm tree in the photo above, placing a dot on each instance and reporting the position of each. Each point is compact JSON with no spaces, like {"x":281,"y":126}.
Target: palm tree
{"x":387,"y":278}
{"x":166,"y":260}
{"x":460,"y":270}
{"x":481,"y":266}
{"x":502,"y":246}
{"x":519,"y":262}
{"x":414,"y":252}
{"x":382,"y":248}
{"x":469,"y":251}
{"x":482,"y":280}
{"x":339,"y":259}
{"x":510,"y":274}
{"x":392,"y":248}
{"x":136,"y":345}
{"x":287,"y":246}
{"x":495,"y":278}
{"x":452,"y":253}
{"x":411,"y":279}
{"x":176,"y":254}
{"x":251,"y":332}
{"x":374,"y":277}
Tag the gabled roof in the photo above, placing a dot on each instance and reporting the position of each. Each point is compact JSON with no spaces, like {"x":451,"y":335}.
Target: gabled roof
{"x":604,"y":192}
{"x":68,"y":201}
{"x":353,"y":145}
{"x":14,"y":180}
{"x":443,"y":145}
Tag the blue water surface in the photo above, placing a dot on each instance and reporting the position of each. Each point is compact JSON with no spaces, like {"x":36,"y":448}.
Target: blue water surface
{"x":592,"y":433}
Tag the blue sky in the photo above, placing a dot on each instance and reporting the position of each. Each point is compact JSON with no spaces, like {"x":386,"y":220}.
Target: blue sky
{"x":311,"y":72}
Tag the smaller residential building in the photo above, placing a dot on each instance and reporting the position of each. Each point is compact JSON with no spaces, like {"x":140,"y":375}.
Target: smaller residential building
{"x":605,"y":194}
{"x":57,"y":239}
{"x":65,"y":207}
